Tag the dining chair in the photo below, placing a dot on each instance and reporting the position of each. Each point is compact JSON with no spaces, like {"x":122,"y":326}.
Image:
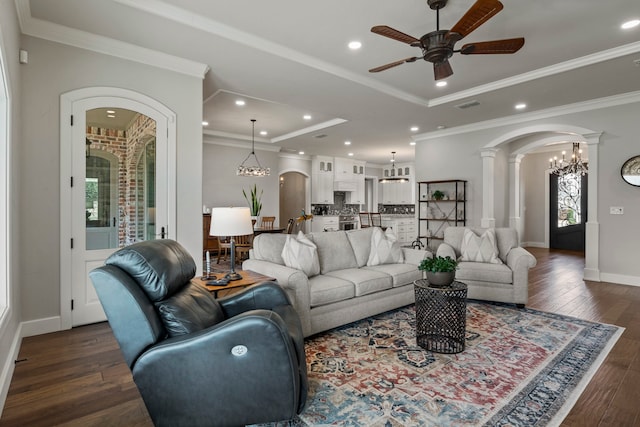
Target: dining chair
{"x":224,"y":248}
{"x":290,"y":226}
{"x":243,"y":245}
{"x":376,"y":220}
{"x":365,"y":219}
{"x":267,"y":221}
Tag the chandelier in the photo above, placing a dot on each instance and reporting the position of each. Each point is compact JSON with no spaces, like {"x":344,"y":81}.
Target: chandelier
{"x":574,"y":166}
{"x":257,"y":170}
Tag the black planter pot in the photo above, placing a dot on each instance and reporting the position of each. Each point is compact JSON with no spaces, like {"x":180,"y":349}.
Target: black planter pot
{"x":440,"y":279}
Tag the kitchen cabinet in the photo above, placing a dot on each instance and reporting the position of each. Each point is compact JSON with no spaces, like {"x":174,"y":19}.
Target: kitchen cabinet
{"x":357,"y":197}
{"x":398,"y":189}
{"x":404,"y":227}
{"x":322,"y":180}
{"x":343,"y":169}
{"x":321,"y":223}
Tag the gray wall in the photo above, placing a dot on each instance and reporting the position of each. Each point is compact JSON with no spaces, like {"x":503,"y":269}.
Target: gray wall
{"x":534,"y":175}
{"x":54,"y":69}
{"x":458,"y":156}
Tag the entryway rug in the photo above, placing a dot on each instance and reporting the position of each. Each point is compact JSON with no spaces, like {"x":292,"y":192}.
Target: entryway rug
{"x":521,"y":367}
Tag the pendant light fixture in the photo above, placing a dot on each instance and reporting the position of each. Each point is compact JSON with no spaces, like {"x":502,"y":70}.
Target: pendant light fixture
{"x":392,"y":172}
{"x":254,"y":171}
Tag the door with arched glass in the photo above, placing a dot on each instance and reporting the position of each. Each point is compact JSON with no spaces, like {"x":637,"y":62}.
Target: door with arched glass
{"x":121,"y":189}
{"x":567,"y":211}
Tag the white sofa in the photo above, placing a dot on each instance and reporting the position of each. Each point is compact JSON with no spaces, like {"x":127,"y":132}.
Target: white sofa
{"x":505,"y":282}
{"x":346,"y":289}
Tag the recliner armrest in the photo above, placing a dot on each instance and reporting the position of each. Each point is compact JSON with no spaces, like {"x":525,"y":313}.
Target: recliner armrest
{"x":265,"y":296}
{"x":203,"y":369}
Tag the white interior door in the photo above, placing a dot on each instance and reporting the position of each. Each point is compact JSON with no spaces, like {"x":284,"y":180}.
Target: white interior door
{"x":119,"y":194}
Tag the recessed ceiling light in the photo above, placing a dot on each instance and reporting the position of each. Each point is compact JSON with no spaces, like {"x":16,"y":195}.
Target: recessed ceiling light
{"x":240,"y":102}
{"x":263,"y":132}
{"x":415,"y":128}
{"x":441,"y":83}
{"x":111,"y":116}
{"x":347,"y":143}
{"x":521,"y":106}
{"x":355,"y":45}
{"x":412,"y":143}
{"x":110,"y":112}
{"x":306,"y":117}
{"x":301,"y":152}
{"x":630,"y":24}
{"x":205,"y":123}
{"x":350,"y":154}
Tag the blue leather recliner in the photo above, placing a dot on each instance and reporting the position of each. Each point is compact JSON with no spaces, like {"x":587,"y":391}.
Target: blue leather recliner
{"x":197,"y":360}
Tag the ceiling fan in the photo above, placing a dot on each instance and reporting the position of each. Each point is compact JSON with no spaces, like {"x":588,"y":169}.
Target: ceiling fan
{"x":438,"y":46}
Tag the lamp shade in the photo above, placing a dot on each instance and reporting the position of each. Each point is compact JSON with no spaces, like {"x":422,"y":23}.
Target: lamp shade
{"x":230,"y":222}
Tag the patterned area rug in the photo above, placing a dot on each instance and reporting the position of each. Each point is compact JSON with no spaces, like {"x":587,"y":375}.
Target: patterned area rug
{"x":521,"y":367}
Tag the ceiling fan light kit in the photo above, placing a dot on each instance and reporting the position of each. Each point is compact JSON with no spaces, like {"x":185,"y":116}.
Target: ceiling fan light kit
{"x":439,"y":45}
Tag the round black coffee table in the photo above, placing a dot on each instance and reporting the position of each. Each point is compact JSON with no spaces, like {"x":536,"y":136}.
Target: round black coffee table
{"x":441,"y":316}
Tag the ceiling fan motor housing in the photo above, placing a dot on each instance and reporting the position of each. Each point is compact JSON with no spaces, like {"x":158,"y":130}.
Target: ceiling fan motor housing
{"x":437,"y":46}
{"x":436,"y":4}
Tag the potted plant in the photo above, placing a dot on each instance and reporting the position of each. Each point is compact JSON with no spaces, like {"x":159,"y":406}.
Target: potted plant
{"x":438,"y":195}
{"x":255,"y":205}
{"x":440,"y":271}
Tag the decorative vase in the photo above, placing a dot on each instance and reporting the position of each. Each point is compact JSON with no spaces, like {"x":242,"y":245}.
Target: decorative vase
{"x":254,"y":221}
{"x":440,"y":279}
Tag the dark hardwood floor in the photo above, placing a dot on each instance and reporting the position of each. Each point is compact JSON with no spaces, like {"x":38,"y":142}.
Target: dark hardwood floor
{"x":78,"y":377}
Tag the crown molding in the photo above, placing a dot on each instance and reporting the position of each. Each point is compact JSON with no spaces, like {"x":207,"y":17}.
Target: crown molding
{"x":594,"y":104}
{"x":88,"y":41}
{"x":569,"y":65}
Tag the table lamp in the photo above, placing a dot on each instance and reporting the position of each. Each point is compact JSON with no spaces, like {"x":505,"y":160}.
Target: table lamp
{"x":231,"y":222}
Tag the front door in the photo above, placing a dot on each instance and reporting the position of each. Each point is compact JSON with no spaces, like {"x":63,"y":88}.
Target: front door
{"x":118,"y":195}
{"x":567,"y":211}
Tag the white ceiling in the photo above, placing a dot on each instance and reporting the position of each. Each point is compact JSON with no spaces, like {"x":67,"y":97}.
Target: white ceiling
{"x":287,"y":58}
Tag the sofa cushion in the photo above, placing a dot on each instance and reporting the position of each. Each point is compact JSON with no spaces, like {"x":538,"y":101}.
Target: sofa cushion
{"x":484,"y":272}
{"x":191,"y":309}
{"x":326,"y":290}
{"x":384,"y":247}
{"x":334,"y":250}
{"x":365,"y":281}
{"x":479,"y":248}
{"x":402,"y":274}
{"x":268,"y":247}
{"x":301,"y":253}
{"x":506,"y":238}
{"x":360,"y":240}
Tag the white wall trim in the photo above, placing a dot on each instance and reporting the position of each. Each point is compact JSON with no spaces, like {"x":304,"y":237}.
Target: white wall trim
{"x":9,"y":367}
{"x":207,"y":139}
{"x":89,"y":41}
{"x":46,"y":325}
{"x":619,"y":279}
{"x":594,"y":104}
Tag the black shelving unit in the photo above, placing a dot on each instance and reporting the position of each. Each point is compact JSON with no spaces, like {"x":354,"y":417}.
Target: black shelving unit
{"x":434,"y":215}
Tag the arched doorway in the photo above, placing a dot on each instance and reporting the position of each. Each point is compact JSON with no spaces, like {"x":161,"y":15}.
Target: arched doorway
{"x":294,"y":195}
{"x":117,"y":186}
{"x":521,"y":141}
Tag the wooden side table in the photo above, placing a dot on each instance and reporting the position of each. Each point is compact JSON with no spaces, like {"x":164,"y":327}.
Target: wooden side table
{"x":441,"y":316}
{"x":248,"y":278}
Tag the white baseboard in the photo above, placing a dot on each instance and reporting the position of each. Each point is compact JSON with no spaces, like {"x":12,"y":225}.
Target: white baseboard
{"x":620,"y":279}
{"x":9,"y":367}
{"x":41,"y":326}
{"x":533,"y":244}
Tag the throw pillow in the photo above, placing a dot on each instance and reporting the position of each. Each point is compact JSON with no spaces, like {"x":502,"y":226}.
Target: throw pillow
{"x":480,"y":248}
{"x":302,"y":254}
{"x":384,"y":248}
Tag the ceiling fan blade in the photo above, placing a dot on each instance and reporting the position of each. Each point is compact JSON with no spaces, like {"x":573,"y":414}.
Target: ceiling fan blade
{"x":478,"y":14}
{"x":442,"y":70}
{"x":394,"y":34}
{"x":493,"y":47}
{"x":393,"y":64}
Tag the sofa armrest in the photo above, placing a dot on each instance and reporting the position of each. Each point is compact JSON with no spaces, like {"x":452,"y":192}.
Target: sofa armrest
{"x":519,"y":260}
{"x":415,"y":256}
{"x":446,"y":250}
{"x":294,"y":282}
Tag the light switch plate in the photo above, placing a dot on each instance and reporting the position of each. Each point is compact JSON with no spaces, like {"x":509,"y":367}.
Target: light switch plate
{"x":616,"y":210}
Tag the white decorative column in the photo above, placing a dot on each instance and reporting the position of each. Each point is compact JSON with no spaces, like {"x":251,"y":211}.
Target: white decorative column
{"x":592,"y":228}
{"x":515,"y":217}
{"x":488,"y":187}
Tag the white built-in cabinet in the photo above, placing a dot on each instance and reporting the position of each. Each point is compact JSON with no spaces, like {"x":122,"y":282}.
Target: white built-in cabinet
{"x":405,"y":228}
{"x":399,"y":190}
{"x":322,"y":180}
